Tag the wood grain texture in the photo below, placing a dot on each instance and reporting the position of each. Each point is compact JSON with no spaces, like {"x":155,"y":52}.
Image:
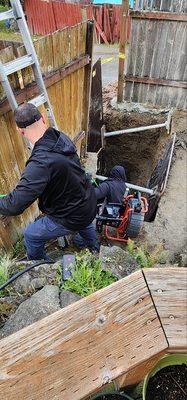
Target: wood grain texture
{"x":158,"y":15}
{"x":77,"y":350}
{"x":157,"y":52}
{"x":168,"y":288}
{"x":138,"y":373}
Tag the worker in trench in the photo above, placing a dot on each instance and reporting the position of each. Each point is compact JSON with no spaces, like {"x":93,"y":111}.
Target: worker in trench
{"x":53,"y":175}
{"x":112,"y":190}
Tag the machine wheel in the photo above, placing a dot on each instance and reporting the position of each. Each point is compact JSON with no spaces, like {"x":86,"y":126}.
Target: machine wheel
{"x":134,"y":224}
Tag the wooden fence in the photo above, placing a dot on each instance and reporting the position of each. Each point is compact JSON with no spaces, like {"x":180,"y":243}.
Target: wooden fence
{"x":156,"y":67}
{"x":46,"y":17}
{"x":117,"y":333}
{"x":65,"y":59}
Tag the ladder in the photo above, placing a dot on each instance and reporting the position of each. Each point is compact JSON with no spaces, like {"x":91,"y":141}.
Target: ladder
{"x":30,"y":59}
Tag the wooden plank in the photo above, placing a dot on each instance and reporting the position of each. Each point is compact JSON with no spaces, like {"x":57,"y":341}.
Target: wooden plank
{"x":158,"y":15}
{"x":122,"y":46}
{"x":87,"y":77}
{"x":101,"y":33}
{"x":138,"y":373}
{"x":80,"y":348}
{"x":156,"y":81}
{"x":30,"y":91}
{"x":168,"y":288}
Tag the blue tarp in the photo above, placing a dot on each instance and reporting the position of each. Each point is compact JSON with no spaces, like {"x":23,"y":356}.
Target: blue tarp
{"x":131,"y":2}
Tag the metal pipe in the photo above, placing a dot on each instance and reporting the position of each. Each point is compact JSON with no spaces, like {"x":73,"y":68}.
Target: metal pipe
{"x":139,"y":129}
{"x":129,"y":185}
{"x":169,"y":164}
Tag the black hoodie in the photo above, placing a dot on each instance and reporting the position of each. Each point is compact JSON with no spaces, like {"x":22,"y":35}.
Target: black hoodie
{"x":54,"y":175}
{"x":114,"y":187}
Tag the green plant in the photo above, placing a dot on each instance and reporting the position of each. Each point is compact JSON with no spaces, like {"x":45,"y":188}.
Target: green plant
{"x":5,"y":263}
{"x":19,"y":248}
{"x":88,"y":275}
{"x":144,"y":257}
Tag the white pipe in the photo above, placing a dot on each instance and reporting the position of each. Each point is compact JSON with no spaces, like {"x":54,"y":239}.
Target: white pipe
{"x":169,"y":164}
{"x":139,"y":129}
{"x":129,"y":185}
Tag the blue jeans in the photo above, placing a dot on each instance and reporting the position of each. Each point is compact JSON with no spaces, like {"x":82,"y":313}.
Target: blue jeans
{"x":37,"y":233}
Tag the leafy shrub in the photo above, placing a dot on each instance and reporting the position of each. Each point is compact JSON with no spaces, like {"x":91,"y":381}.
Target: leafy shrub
{"x":88,"y":275}
{"x":144,"y":257}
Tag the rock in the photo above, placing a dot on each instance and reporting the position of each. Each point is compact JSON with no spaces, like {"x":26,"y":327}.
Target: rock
{"x":67,"y":298}
{"x":38,"y":306}
{"x":183,"y":259}
{"x":23,"y":284}
{"x":46,"y":271}
{"x":43,"y":268}
{"x":38,"y":283}
{"x":117,"y":260}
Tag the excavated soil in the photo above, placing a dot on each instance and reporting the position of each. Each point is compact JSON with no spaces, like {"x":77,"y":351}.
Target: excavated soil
{"x":137,"y":152}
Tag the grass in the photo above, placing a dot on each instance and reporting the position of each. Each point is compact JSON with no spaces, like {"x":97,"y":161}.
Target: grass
{"x":5,"y":265}
{"x":144,"y":257}
{"x":88,"y":276}
{"x":19,"y":248}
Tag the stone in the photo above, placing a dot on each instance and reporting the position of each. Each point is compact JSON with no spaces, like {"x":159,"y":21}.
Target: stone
{"x":118,"y":261}
{"x":67,"y":298}
{"x":46,"y":271}
{"x":183,"y":259}
{"x":23,"y":284}
{"x":39,"y":305}
{"x":38,"y":283}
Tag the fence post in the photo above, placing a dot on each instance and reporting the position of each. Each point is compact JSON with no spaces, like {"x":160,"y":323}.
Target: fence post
{"x":122,"y":44}
{"x":88,"y":77}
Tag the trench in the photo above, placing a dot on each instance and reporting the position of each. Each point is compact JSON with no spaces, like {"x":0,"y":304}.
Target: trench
{"x":139,"y":152}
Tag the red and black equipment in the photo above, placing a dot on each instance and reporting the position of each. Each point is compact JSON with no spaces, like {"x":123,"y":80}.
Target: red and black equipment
{"x":125,"y":219}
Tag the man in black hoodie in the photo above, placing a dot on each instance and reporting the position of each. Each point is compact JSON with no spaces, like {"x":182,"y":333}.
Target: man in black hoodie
{"x":113,"y":189}
{"x":54,"y":175}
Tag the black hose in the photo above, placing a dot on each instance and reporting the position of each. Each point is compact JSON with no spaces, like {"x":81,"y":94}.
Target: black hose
{"x":14,"y":277}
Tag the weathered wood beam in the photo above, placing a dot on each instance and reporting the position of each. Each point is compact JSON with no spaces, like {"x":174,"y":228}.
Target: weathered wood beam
{"x":122,"y":48}
{"x":158,"y":15}
{"x":78,"y":349}
{"x":168,"y":288}
{"x":156,"y":81}
{"x":32,"y":90}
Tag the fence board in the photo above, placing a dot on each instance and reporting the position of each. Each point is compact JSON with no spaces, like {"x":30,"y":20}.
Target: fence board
{"x":168,"y":290}
{"x":157,"y":50}
{"x":87,"y":344}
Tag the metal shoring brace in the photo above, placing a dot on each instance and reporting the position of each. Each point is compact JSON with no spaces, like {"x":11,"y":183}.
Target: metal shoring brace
{"x":166,"y":124}
{"x":129,"y":185}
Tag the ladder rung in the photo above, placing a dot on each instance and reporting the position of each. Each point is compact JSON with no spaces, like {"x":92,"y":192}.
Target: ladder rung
{"x":17,"y":64}
{"x":6,"y":15}
{"x":38,"y":101}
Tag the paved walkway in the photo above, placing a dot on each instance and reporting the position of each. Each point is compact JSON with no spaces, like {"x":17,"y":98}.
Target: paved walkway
{"x":109,"y":65}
